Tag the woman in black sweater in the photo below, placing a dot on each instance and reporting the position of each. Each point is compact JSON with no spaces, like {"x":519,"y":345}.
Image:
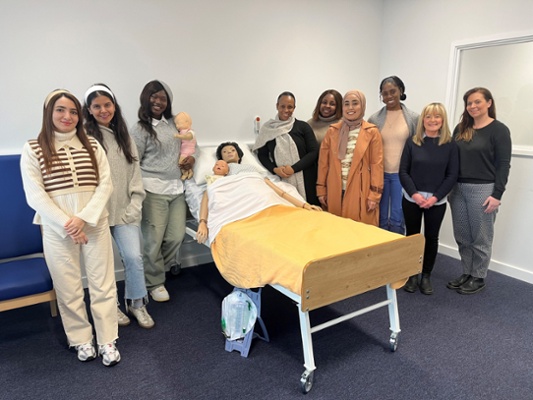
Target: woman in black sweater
{"x":288,"y":148}
{"x":485,"y":154}
{"x":429,"y":168}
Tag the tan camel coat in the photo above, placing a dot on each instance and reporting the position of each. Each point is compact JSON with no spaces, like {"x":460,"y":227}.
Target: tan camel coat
{"x":365,"y":179}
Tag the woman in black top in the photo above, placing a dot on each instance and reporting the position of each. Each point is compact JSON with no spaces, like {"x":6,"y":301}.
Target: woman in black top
{"x":485,"y":156}
{"x":428,"y":170}
{"x":288,"y":148}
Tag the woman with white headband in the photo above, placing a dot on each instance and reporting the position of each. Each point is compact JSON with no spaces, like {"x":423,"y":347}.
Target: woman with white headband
{"x":67,"y":182}
{"x":104,"y":122}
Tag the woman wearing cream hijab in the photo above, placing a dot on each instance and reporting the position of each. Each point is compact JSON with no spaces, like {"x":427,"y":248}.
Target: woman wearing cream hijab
{"x":350,"y":164}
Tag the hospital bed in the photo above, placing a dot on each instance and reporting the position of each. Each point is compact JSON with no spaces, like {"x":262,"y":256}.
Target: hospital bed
{"x":387,"y":259}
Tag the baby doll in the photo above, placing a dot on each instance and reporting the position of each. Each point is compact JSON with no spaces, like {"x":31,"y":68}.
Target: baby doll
{"x":220,"y":169}
{"x":188,"y":142}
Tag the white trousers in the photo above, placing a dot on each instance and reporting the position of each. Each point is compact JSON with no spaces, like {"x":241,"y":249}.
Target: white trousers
{"x":64,"y":259}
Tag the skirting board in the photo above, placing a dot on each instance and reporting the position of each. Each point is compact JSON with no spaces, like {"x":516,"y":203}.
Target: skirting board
{"x":505,"y":269}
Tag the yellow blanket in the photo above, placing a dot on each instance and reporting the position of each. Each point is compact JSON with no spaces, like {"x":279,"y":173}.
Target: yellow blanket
{"x":275,"y":245}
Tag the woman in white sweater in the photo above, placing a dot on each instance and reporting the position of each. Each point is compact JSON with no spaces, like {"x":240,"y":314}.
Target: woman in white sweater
{"x":67,"y":182}
{"x":104,"y":122}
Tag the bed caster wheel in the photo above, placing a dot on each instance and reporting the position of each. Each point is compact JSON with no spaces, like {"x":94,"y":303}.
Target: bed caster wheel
{"x":306,"y":381}
{"x":393,"y":342}
{"x":175,"y":269}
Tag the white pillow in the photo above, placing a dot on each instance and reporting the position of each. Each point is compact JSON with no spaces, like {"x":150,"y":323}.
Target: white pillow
{"x":206,"y":158}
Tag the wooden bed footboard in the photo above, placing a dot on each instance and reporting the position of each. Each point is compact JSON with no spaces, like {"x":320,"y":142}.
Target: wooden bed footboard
{"x":328,"y":280}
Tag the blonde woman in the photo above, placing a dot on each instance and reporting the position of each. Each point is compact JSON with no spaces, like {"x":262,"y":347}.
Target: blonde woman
{"x":429,"y":167}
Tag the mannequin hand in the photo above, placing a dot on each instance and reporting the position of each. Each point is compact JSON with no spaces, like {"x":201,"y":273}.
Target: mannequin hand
{"x":201,"y":233}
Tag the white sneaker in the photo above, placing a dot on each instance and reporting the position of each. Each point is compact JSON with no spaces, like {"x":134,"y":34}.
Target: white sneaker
{"x":160,"y":294}
{"x":143,"y":318}
{"x":122,"y":318}
{"x":86,"y":352}
{"x":109,"y":353}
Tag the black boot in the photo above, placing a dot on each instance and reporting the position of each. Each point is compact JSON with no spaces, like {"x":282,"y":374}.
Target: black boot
{"x":425,"y":284}
{"x":454,"y":285}
{"x":412,"y":284}
{"x":472,"y":285}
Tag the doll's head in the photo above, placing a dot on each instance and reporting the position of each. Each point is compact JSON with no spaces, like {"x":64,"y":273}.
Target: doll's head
{"x":221,"y":168}
{"x":230,"y":152}
{"x":183,"y":121}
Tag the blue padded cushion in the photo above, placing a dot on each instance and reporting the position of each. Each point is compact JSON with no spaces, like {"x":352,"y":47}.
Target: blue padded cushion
{"x":23,"y":278}
{"x":18,"y":235}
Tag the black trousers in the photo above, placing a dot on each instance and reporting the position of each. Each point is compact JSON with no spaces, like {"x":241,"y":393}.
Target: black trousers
{"x":432,"y":222}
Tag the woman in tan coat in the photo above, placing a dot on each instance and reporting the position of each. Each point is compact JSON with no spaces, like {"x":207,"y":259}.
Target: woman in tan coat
{"x":350,"y":165}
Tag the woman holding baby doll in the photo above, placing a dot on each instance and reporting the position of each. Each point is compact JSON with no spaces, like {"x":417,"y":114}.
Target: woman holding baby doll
{"x":164,"y":209}
{"x":104,"y":122}
{"x":67,"y":182}
{"x":288,"y":148}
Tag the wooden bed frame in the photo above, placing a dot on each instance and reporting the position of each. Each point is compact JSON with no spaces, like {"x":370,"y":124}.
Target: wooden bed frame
{"x":329,"y":280}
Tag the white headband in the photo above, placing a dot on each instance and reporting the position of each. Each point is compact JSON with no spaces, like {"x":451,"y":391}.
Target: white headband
{"x":98,"y":88}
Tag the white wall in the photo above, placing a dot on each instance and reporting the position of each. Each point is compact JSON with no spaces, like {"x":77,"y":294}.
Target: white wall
{"x":417,"y":40}
{"x":226,"y":61}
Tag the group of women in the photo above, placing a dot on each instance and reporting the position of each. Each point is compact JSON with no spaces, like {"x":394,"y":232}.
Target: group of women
{"x":88,"y":181}
{"x":398,"y":168}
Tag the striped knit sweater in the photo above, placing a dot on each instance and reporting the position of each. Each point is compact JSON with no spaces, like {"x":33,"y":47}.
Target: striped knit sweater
{"x":74,"y":172}
{"x":70,"y":191}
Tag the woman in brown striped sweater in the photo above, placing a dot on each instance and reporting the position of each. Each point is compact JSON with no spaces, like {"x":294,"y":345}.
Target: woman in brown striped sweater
{"x":67,"y":182}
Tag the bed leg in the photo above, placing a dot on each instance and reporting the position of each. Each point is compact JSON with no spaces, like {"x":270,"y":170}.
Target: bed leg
{"x":306,"y":380}
{"x":394,"y":318}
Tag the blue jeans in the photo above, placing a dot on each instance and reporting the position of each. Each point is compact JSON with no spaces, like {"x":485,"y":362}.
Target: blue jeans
{"x":129,"y":242}
{"x":390,"y":206}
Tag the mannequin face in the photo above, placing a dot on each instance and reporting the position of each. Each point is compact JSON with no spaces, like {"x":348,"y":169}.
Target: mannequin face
{"x":221,"y":168}
{"x":229,"y":154}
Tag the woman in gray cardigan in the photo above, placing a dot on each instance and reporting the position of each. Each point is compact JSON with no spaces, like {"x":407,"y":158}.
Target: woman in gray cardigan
{"x":396,"y":123}
{"x":104,"y":122}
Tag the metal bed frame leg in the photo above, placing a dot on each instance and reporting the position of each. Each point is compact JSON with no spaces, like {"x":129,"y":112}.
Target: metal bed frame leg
{"x":394,"y":318}
{"x":306,"y":380}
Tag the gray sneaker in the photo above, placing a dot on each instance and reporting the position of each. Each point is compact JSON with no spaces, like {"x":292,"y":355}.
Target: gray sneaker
{"x":122,"y":318}
{"x":143,"y":318}
{"x":109,"y":353}
{"x":86,"y":352}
